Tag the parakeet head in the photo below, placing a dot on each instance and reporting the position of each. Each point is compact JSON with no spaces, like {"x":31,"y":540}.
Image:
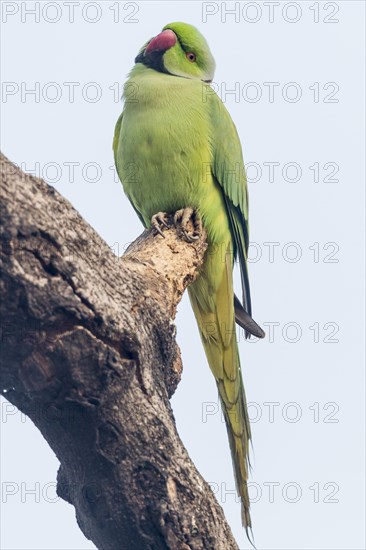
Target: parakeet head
{"x":179,"y":50}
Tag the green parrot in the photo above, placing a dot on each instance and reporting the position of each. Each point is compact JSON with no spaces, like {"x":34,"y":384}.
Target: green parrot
{"x":177,"y":150}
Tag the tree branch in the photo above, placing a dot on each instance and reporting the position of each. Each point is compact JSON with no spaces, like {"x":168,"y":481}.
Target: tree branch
{"x":89,"y":354}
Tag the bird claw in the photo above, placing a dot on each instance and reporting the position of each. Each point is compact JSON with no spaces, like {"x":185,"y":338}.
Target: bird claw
{"x":159,"y":221}
{"x":182,"y":219}
{"x":186,"y":220}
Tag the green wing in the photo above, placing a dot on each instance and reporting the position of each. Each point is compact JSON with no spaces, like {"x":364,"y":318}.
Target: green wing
{"x":229,"y":171}
{"x":116,"y":139}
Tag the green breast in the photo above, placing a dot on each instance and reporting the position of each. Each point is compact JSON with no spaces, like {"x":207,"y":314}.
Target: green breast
{"x":163,"y":154}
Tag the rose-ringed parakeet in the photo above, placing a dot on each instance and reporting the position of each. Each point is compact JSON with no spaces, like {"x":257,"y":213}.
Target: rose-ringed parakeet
{"x":176,"y":149}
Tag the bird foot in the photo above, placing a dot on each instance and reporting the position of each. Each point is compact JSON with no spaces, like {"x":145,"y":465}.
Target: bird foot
{"x":159,"y":221}
{"x":188,"y":224}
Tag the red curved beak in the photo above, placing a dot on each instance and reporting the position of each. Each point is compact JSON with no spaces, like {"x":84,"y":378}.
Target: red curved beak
{"x":162,"y":42}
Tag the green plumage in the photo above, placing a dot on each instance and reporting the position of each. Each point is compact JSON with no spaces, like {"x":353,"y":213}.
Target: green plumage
{"x":175,"y":145}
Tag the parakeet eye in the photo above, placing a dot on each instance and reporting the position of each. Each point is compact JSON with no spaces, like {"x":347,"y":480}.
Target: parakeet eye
{"x":191,"y":57}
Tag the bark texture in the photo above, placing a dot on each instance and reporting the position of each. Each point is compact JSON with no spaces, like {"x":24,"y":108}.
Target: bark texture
{"x":89,"y":354}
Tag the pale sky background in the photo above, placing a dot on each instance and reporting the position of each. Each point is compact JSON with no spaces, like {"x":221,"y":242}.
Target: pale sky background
{"x":305,"y":385}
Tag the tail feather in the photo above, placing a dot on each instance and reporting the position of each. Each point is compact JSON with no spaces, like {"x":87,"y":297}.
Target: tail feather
{"x":216,"y":320}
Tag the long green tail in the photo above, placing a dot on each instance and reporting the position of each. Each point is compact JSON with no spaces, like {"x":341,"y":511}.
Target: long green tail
{"x":214,"y":311}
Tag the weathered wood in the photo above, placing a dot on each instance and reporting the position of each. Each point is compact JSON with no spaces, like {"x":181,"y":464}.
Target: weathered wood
{"x":89,"y":354}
